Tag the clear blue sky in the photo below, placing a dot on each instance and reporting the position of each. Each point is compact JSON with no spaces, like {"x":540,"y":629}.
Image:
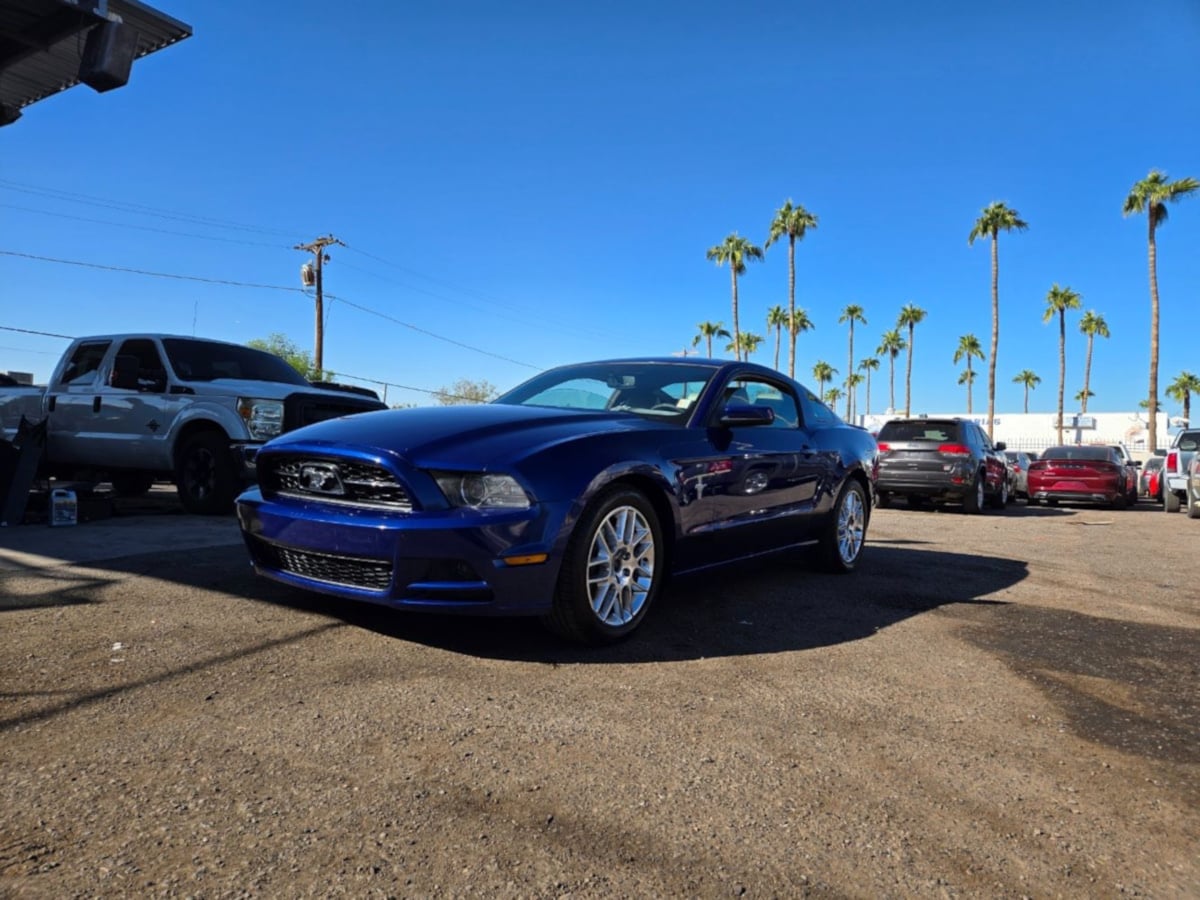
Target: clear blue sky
{"x":539,"y":181}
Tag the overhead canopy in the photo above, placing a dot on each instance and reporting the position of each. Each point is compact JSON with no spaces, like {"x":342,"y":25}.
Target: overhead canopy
{"x":44,"y":42}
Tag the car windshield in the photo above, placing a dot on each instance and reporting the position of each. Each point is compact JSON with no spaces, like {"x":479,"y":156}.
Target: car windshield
{"x":209,"y":360}
{"x":922,"y":430}
{"x":662,"y":391}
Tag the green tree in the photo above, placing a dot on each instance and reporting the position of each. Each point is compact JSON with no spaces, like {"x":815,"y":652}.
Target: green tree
{"x":891,"y":345}
{"x":869,"y":365}
{"x":967,"y":377}
{"x":911,"y":316}
{"x":851,"y":314}
{"x":289,"y":352}
{"x":464,"y":392}
{"x":734,"y":251}
{"x":794,"y":222}
{"x":832,"y":396}
{"x":996,"y":217}
{"x":1093,"y":325}
{"x":1181,"y":389}
{"x":1151,"y":196}
{"x":777,"y":317}
{"x":823,"y":372}
{"x":1058,"y":301}
{"x":708,"y":331}
{"x":968,"y":348}
{"x":1030,"y":380}
{"x":798,"y":323}
{"x":1081,"y":397}
{"x":747,"y":343}
{"x":853,"y":380}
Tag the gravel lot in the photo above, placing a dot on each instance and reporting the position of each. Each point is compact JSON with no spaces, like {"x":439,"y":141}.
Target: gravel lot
{"x":1001,"y":705}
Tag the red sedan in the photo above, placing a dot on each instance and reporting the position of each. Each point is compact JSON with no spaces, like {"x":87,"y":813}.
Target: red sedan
{"x":1081,"y":475}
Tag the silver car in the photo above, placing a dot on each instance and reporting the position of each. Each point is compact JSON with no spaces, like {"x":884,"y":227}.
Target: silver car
{"x":1018,"y":465}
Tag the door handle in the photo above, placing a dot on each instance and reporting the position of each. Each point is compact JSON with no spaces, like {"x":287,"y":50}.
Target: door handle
{"x":96,"y":404}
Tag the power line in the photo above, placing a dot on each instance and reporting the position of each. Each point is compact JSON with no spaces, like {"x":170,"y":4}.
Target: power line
{"x":202,"y":237}
{"x":135,"y":208}
{"x":31,"y":331}
{"x":90,"y":265}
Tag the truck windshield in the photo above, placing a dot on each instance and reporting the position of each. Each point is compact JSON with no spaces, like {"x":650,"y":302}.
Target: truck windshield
{"x":195,"y":360}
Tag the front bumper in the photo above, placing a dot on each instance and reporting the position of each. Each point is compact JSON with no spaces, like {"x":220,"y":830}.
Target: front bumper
{"x":443,"y":560}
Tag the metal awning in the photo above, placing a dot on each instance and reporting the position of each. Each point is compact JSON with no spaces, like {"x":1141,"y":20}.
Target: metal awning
{"x":42,"y":43}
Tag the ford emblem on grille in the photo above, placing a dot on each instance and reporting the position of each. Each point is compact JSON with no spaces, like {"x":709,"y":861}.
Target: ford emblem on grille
{"x":321,"y":478}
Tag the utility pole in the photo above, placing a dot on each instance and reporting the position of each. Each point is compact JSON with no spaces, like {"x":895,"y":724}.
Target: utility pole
{"x":311,"y":276}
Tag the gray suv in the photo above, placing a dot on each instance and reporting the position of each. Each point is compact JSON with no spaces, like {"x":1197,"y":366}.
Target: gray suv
{"x":941,"y":460}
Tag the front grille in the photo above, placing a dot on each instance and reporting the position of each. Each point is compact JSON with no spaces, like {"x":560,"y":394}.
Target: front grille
{"x":308,"y":409}
{"x":363,"y":484}
{"x":347,"y":571}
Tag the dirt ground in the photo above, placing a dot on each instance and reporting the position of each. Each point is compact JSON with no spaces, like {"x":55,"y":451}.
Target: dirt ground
{"x":1003,"y":705}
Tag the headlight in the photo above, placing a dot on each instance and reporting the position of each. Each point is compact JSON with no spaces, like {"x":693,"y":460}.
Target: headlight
{"x":263,"y":418}
{"x":481,"y":490}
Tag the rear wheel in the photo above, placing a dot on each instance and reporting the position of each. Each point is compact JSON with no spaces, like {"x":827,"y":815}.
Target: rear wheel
{"x":843,"y":534}
{"x":883,"y":501}
{"x":612,"y":571}
{"x":973,"y":498}
{"x":205,"y":475}
{"x":1193,"y":507}
{"x":1171,"y":500}
{"x":999,"y":500}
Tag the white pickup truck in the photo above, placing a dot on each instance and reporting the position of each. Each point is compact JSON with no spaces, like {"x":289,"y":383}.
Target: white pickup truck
{"x":1175,"y":469}
{"x":133,"y":408}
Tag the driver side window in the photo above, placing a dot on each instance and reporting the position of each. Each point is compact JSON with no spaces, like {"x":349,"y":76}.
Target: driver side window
{"x":754,"y":391}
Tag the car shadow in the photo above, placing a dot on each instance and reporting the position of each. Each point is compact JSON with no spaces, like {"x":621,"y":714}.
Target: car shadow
{"x":765,"y":607}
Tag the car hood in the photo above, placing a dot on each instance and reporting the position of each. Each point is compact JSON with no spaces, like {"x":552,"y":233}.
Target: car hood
{"x":487,"y":436}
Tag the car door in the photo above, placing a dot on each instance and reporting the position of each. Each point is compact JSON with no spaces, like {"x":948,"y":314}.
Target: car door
{"x":133,"y":419}
{"x":761,"y":481}
{"x":72,"y":404}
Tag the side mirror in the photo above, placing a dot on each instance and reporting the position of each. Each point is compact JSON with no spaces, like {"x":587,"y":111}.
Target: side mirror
{"x":741,"y":415}
{"x":125,"y":373}
{"x":1001,"y":446}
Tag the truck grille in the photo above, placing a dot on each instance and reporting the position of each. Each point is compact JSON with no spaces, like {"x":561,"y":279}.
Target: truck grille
{"x":350,"y":482}
{"x":307,"y":409}
{"x":346,"y":571}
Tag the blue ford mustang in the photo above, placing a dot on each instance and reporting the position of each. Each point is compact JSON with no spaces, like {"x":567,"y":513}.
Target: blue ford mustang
{"x":570,"y":497}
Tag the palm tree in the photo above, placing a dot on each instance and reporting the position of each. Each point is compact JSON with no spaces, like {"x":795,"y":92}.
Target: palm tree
{"x":1058,"y":301}
{"x":1092,"y":324}
{"x":967,"y":377}
{"x":734,"y":250}
{"x":1030,"y":380}
{"x":794,"y":221}
{"x":968,"y":347}
{"x":1151,"y":196}
{"x":910,"y":316}
{"x":890,"y":345}
{"x":852,"y":313}
{"x":869,"y":365}
{"x":853,"y":380}
{"x":823,"y":372}
{"x":1081,"y":397}
{"x":747,"y":343}
{"x":832,"y":396}
{"x":1181,"y":389}
{"x":798,"y":323}
{"x":996,"y":217}
{"x":708,"y":331}
{"x":777,"y":317}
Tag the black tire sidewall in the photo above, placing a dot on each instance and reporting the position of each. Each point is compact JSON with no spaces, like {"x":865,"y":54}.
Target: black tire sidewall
{"x":224,"y":486}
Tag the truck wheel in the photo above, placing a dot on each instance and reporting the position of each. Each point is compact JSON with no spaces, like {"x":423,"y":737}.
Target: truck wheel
{"x":1193,"y":506}
{"x":131,"y":484}
{"x":1171,"y":500}
{"x":973,"y":498}
{"x":205,"y":474}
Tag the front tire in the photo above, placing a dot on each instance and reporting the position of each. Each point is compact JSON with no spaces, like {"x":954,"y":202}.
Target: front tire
{"x":1193,"y":507}
{"x":1171,"y":501}
{"x":204,"y":474}
{"x":613,"y":570}
{"x":1000,"y":500}
{"x":843,"y":536}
